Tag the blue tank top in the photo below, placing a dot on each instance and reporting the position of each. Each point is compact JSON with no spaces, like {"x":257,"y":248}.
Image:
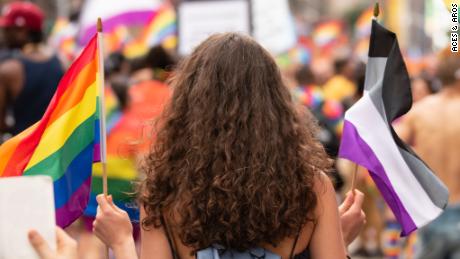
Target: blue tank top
{"x":41,"y":79}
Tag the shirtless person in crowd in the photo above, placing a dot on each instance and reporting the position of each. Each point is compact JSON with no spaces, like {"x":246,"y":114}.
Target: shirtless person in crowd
{"x":432,"y":127}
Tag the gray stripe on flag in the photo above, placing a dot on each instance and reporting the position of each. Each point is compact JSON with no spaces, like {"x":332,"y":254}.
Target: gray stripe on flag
{"x":375,"y":70}
{"x":435,"y":189}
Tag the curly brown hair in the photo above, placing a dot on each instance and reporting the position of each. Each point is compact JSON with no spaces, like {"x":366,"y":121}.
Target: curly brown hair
{"x":234,"y":162}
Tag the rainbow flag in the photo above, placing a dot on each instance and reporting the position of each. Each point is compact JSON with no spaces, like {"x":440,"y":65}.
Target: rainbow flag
{"x":364,"y":23}
{"x":64,"y":143}
{"x":161,"y":29}
{"x":326,"y":33}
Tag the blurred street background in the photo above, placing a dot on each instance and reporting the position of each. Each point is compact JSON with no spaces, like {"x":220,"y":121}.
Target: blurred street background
{"x":321,"y":47}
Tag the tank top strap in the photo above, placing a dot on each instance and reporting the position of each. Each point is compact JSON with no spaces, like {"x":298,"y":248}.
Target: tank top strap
{"x":170,"y":237}
{"x":291,"y":255}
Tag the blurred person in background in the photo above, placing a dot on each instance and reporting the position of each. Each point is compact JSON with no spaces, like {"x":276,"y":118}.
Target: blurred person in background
{"x":157,"y":65}
{"x":323,"y":70}
{"x":359,"y":80}
{"x":432,"y":127}
{"x":422,"y":86}
{"x":116,"y":66}
{"x":30,"y":77}
{"x":328,"y":113}
{"x":341,"y":85}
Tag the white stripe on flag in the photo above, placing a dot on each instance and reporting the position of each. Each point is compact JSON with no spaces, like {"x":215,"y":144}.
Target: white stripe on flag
{"x":376,"y":133}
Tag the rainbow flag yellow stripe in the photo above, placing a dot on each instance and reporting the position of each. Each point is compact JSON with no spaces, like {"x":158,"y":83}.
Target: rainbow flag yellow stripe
{"x":64,"y":143}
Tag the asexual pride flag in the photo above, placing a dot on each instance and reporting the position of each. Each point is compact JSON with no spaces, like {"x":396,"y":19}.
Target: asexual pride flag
{"x":415,"y":195}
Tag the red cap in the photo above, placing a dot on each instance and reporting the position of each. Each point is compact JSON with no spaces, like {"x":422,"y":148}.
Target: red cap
{"x":22,"y":14}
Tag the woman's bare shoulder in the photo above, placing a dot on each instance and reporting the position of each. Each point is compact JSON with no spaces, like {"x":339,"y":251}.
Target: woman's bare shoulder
{"x":323,"y":184}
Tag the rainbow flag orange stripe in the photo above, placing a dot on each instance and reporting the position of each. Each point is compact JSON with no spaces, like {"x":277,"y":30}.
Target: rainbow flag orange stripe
{"x":64,"y":143}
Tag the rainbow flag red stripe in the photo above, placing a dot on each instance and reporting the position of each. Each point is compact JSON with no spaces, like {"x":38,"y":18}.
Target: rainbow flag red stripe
{"x":64,"y":143}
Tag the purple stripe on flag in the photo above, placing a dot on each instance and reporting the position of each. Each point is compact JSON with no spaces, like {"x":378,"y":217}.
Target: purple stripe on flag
{"x":75,"y":206}
{"x":127,"y":19}
{"x":354,"y":148}
{"x":97,"y":152}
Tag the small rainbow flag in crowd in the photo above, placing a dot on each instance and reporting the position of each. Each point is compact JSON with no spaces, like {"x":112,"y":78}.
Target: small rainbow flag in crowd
{"x":64,"y":143}
{"x":116,"y":39}
{"x":161,"y":29}
{"x":364,"y":23}
{"x":327,"y":32}
{"x":361,"y":48}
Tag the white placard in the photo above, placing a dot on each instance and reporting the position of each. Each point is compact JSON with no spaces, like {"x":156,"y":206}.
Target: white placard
{"x":26,"y":203}
{"x":273,"y":25}
{"x":199,"y":19}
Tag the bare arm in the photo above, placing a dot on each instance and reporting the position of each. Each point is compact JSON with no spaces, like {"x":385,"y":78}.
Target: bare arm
{"x":2,"y":106}
{"x":11,"y":80}
{"x":327,"y":240}
{"x":3,"y":97}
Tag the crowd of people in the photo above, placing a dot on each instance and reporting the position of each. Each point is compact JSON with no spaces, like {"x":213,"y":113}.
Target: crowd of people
{"x":223,"y":152}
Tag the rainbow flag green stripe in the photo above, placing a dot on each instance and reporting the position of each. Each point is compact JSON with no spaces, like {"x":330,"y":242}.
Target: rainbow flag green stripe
{"x":57,"y":163}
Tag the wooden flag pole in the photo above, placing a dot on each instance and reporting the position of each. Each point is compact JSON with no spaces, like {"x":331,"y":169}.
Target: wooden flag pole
{"x":355,"y":171}
{"x":103,"y":132}
{"x":353,"y":178}
{"x":101,"y":86}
